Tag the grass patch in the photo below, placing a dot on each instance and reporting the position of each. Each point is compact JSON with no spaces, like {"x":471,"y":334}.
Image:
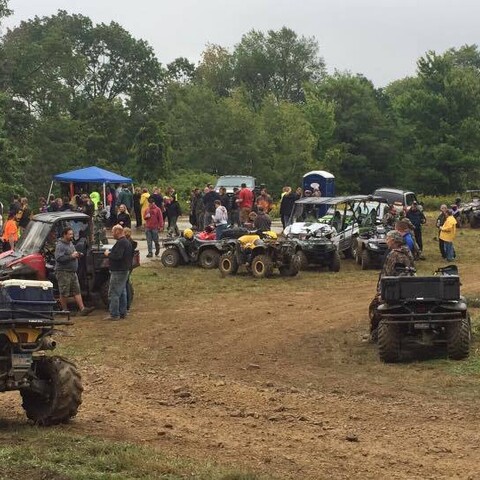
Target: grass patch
{"x":37,"y":453}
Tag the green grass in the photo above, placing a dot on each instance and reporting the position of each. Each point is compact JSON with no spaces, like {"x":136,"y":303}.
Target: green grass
{"x":52,"y":454}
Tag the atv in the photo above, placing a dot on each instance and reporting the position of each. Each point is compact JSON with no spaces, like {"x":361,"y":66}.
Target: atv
{"x":371,"y":247}
{"x":34,"y":255}
{"x":50,"y":386}
{"x":181,"y":250}
{"x":422,"y":310}
{"x":316,"y":248}
{"x":469,"y":213}
{"x":260,"y":253}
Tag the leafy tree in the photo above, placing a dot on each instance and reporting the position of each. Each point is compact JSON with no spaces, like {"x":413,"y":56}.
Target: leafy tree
{"x":215,"y":70}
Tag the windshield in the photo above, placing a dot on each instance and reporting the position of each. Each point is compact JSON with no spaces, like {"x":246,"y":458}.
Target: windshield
{"x":235,"y":182}
{"x":33,"y":237}
{"x":37,"y":234}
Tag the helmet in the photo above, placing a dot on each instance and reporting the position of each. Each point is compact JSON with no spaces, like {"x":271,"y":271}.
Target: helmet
{"x":270,"y":234}
{"x":188,"y":233}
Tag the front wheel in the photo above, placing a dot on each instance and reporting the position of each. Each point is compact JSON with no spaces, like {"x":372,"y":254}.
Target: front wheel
{"x":458,"y":339}
{"x":389,"y":344}
{"x":208,"y":258}
{"x":290,"y":270}
{"x":335,"y":262}
{"x":62,"y":396}
{"x":366,"y":260}
{"x":170,"y":258}
{"x":228,"y":264}
{"x":262,"y":266}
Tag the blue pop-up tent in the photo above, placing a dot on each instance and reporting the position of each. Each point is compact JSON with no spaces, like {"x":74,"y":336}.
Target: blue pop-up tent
{"x":90,"y":175}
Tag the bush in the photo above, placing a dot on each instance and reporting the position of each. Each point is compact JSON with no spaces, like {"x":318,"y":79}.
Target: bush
{"x":433,"y":202}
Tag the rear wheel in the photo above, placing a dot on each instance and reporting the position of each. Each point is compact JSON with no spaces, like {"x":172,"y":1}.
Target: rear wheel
{"x":228,"y":264}
{"x":474,"y":221}
{"x":262,"y":266}
{"x":335,"y":262}
{"x":63,"y":392}
{"x":366,"y":260}
{"x":389,"y":345}
{"x":458,"y":339}
{"x":302,"y":260}
{"x":290,"y":270}
{"x":208,"y":258}
{"x":170,"y":258}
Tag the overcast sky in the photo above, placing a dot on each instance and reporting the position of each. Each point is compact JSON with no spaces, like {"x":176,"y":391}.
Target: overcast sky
{"x":380,"y":38}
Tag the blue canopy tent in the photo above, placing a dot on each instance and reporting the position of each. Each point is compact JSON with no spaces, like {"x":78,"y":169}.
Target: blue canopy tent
{"x":90,"y":175}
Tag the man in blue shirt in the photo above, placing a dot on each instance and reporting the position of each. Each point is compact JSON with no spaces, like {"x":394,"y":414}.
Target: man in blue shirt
{"x":402,"y":228}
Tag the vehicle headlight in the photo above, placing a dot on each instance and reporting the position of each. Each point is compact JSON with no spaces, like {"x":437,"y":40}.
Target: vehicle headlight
{"x":373,"y":246}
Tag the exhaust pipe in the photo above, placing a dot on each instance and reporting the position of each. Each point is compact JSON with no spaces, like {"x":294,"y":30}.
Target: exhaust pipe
{"x":48,"y":343}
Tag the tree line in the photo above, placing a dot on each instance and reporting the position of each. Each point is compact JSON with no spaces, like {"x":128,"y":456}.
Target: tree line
{"x":74,"y":93}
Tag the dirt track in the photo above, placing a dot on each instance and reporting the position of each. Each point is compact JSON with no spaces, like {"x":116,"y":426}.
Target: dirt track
{"x":249,"y":374}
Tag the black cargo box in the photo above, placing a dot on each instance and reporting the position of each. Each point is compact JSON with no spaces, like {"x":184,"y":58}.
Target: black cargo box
{"x":394,"y":289}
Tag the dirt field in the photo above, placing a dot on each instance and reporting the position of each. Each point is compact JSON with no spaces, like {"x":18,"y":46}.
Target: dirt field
{"x":272,"y":377}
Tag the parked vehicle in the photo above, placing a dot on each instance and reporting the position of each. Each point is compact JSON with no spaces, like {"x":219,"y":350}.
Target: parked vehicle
{"x":396,"y":196}
{"x":372,"y":247}
{"x":50,"y":386}
{"x":191,"y":251}
{"x":469,"y":212}
{"x":33,"y":257}
{"x":260,"y":253}
{"x":232,"y":181}
{"x":316,"y":248}
{"x":424,"y":311}
{"x":346,"y":215}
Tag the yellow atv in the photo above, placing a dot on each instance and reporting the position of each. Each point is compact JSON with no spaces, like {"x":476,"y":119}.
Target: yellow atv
{"x":260,"y":253}
{"x":50,"y":386}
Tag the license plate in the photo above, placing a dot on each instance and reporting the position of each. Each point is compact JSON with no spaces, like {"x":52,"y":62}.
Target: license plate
{"x":21,"y":360}
{"x":421,"y":326}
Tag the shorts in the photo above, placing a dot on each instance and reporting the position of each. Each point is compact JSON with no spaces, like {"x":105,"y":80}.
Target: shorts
{"x":68,"y":284}
{"x":244,"y":213}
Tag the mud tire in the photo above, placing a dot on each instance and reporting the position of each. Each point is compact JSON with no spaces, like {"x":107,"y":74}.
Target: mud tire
{"x":366,"y":260}
{"x":302,"y":260}
{"x":389,"y":344}
{"x":66,"y":395}
{"x":262,"y":266}
{"x":228,"y":264}
{"x":170,"y":258}
{"x":335,"y":263}
{"x":458,"y":339}
{"x":208,"y":258}
{"x":292,"y":269}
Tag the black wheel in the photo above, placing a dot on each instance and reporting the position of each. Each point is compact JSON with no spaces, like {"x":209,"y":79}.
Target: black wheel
{"x":228,"y":264}
{"x":104,"y":292}
{"x":366,"y":260}
{"x":208,"y":258}
{"x":292,"y":269}
{"x":335,"y":262}
{"x":262,"y":266}
{"x":170,"y":258}
{"x":302,"y":260}
{"x":354,"y":248}
{"x":473,"y":221}
{"x":458,"y":339}
{"x":63,"y":393}
{"x":358,"y":256}
{"x":389,"y":344}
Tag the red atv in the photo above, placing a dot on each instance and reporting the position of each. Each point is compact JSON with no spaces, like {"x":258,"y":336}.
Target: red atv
{"x":33,"y":257}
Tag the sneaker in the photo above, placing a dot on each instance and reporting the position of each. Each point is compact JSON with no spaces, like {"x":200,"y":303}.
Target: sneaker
{"x":157,"y":250}
{"x":149,"y":255}
{"x":86,"y":311}
{"x":111,"y":318}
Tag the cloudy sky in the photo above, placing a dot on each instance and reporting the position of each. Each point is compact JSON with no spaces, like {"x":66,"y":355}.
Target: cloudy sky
{"x":380,"y":38}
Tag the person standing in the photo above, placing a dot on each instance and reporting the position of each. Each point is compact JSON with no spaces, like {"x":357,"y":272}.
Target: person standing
{"x":220,"y":219}
{"x":447,"y":233}
{"x":209,"y":201}
{"x":440,"y":221}
{"x":120,"y":259}
{"x":137,"y":208}
{"x":123,"y":218}
{"x":173,"y":212}
{"x":417,"y":217}
{"x":153,"y":224}
{"x":26,"y":215}
{"x":287,"y":205}
{"x":66,"y":266}
{"x":245,"y":202}
{"x":10,"y":232}
{"x":125,"y":197}
{"x":144,"y":201}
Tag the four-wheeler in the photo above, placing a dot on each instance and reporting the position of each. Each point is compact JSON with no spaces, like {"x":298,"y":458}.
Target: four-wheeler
{"x":316,"y":248}
{"x":469,"y":213}
{"x":422,"y":310}
{"x":50,"y":386}
{"x":33,"y":257}
{"x":189,"y":249}
{"x":371,"y":247}
{"x":260,"y":253}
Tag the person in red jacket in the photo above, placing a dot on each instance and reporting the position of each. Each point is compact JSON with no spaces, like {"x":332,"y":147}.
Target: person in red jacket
{"x":245,"y":202}
{"x":153,"y":224}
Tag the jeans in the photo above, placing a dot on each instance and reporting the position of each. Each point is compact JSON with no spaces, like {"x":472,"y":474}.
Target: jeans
{"x":449,"y":250}
{"x":117,"y":293}
{"x":286,"y":221}
{"x":441,"y":245}
{"x":219,"y":230}
{"x":152,"y":237}
{"x":172,"y":226}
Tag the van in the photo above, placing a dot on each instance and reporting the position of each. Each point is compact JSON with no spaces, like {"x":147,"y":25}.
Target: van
{"x":232,"y":181}
{"x":396,"y":196}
